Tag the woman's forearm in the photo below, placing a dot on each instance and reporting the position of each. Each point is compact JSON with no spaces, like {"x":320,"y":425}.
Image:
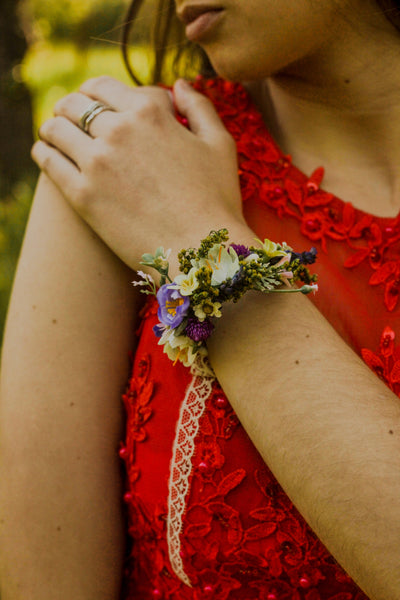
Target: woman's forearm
{"x":324,"y":423}
{"x":65,"y":362}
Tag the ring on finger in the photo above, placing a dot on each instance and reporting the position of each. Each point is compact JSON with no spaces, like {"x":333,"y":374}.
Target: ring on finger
{"x":94,"y":109}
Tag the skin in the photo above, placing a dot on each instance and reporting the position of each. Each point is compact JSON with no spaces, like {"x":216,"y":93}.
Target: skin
{"x":65,"y":364}
{"x":118,"y":181}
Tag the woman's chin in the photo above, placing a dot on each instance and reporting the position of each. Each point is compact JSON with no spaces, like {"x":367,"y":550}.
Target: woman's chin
{"x":241,"y":69}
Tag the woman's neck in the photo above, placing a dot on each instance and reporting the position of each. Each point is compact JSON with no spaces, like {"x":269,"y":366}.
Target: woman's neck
{"x":341,"y":109}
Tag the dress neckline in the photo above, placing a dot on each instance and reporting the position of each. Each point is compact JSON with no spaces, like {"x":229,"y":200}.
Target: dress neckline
{"x":295,"y":171}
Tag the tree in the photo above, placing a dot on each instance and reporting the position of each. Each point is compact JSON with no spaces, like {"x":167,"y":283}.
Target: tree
{"x":16,"y":136}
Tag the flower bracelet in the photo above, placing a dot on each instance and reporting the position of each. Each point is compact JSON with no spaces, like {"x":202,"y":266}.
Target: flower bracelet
{"x":215,"y":273}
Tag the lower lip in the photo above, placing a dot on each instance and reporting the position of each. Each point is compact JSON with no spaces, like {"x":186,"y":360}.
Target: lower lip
{"x":202,"y":25}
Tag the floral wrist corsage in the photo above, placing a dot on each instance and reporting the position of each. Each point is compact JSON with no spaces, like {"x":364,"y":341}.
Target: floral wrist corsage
{"x":217,"y":272}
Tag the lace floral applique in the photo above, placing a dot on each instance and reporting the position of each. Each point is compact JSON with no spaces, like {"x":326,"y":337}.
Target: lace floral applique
{"x":236,"y":543}
{"x":149,"y":309}
{"x":386,"y":363}
{"x":136,"y":401}
{"x":149,"y":575}
{"x":267,"y":552}
{"x":148,"y":572}
{"x":268,"y":176}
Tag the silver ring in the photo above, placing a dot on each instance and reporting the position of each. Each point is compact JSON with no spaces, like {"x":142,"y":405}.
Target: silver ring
{"x":94,"y":109}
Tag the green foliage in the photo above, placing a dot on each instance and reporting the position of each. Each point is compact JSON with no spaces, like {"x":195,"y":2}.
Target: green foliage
{"x":13,"y":216}
{"x":54,"y":70}
{"x":51,"y":71}
{"x":72,"y":20}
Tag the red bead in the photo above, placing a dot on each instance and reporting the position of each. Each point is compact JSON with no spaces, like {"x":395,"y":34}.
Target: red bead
{"x":312,"y":187}
{"x":312,"y":225}
{"x":203,"y":466}
{"x":208,"y":589}
{"x":156,"y":593}
{"x":272,"y":597}
{"x":304,"y":582}
{"x":388,"y":336}
{"x":123,"y":452}
{"x":277,"y":193}
{"x":221,"y":402}
{"x":128,"y":497}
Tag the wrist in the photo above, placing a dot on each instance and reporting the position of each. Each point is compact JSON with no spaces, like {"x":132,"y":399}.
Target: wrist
{"x":218,"y":272}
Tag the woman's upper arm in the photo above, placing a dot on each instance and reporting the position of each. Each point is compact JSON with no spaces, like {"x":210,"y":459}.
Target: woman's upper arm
{"x":65,"y":361}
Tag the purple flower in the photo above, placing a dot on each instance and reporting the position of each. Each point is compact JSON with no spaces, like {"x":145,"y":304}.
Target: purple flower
{"x":305,"y":258}
{"x":241,"y":250}
{"x":172,"y":306}
{"x":158,"y":329}
{"x":198,"y":331}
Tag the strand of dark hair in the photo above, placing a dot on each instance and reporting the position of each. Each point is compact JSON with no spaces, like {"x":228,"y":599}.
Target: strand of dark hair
{"x":126,"y":31}
{"x":170,"y":48}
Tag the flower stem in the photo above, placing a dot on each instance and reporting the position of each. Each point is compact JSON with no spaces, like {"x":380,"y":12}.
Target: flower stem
{"x":305,"y":289}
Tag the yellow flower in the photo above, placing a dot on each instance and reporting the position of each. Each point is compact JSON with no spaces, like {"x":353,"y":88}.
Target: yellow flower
{"x":272,"y":249}
{"x":208,"y":309}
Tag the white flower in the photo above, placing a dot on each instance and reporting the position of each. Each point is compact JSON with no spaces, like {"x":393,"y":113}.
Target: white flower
{"x":208,"y":309}
{"x":161,"y":258}
{"x":158,"y":261}
{"x":285,"y":259}
{"x":178,"y":347}
{"x":141,"y":282}
{"x":306,"y":289}
{"x":222,"y":262}
{"x":225,"y":263}
{"x":145,"y":279}
{"x":285,"y":277}
{"x":251,"y":258}
{"x":187,"y":283}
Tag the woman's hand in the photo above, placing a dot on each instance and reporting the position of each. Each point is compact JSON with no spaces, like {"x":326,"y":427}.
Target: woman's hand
{"x":141,"y":179}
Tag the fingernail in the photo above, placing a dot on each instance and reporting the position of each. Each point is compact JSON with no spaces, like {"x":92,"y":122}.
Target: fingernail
{"x":185,"y":84}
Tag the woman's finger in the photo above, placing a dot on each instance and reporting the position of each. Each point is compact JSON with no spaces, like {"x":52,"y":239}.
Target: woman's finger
{"x":75,"y":105}
{"x":109,"y":91}
{"x":63,"y":172}
{"x":122,"y":98}
{"x":67,"y":138}
{"x":202,"y":117}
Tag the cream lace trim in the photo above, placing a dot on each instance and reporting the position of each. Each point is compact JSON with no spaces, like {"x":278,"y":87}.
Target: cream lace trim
{"x":187,"y":428}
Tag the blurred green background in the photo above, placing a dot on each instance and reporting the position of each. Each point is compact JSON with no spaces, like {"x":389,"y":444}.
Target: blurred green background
{"x":47,"y":49}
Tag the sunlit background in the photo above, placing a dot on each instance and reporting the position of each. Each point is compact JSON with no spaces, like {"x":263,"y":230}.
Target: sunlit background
{"x":47,"y":49}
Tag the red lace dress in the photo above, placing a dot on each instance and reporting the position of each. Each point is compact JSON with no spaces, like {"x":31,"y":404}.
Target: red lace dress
{"x":207,"y":519}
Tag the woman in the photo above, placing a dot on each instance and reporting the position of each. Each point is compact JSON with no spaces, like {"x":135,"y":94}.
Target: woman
{"x":324,"y":78}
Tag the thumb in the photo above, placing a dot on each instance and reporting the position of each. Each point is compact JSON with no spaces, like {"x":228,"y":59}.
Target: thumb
{"x":203,"y":119}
